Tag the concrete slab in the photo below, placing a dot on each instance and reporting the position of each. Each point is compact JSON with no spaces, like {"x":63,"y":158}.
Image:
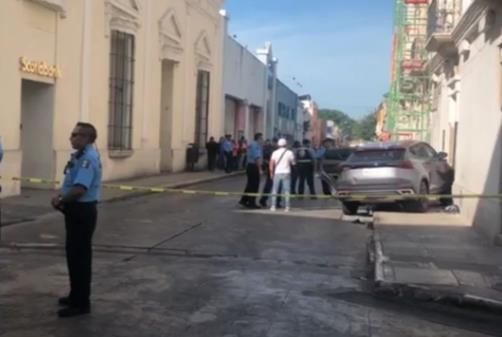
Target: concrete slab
{"x":416,"y":219}
{"x":445,"y":263}
{"x":425,"y":276}
{"x":471,"y":278}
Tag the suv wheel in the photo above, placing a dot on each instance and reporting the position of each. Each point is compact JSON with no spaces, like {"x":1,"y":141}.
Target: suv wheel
{"x":350,"y":208}
{"x":420,"y":205}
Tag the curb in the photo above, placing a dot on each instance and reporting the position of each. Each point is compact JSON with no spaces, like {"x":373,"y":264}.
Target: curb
{"x":380,"y":258}
{"x":442,"y":295}
{"x":421,"y":292}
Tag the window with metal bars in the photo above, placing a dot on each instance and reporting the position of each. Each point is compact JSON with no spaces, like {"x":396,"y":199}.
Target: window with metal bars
{"x":202,"y":108}
{"x":121,"y":90}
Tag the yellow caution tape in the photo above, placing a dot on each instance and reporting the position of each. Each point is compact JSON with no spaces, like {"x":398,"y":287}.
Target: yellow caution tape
{"x":352,"y":197}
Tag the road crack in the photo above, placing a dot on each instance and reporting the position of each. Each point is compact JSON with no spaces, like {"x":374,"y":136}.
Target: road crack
{"x":177,"y":235}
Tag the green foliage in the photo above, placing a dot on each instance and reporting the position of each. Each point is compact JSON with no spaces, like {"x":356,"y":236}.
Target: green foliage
{"x":366,"y":127}
{"x":363,"y":128}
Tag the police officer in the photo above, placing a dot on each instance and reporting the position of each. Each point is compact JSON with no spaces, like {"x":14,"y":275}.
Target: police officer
{"x":268,"y":149}
{"x":227,"y":152}
{"x":320,"y":157}
{"x":254,"y":170}
{"x":305,"y":159}
{"x":294,"y":169}
{"x":78,"y":202}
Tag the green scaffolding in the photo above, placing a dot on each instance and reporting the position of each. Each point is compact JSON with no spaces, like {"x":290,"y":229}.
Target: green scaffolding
{"x":408,"y":101}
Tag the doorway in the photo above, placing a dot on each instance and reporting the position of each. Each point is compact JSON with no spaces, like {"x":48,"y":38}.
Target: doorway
{"x":37,"y":113}
{"x":166,"y":115}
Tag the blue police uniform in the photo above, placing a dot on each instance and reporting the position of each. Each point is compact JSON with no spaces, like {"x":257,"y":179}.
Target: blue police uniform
{"x":254,"y":153}
{"x":227,"y":146}
{"x":83,"y":169}
{"x":227,"y":151}
{"x":320,"y":153}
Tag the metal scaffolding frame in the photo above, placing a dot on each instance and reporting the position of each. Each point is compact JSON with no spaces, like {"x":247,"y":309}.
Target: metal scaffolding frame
{"x":409,"y":102}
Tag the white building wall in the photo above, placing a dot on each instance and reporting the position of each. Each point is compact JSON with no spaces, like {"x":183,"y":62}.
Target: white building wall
{"x":477,"y":110}
{"x":244,"y":83}
{"x":479,"y":135}
{"x":443,"y":120}
{"x":244,"y":76}
{"x":465,"y":5}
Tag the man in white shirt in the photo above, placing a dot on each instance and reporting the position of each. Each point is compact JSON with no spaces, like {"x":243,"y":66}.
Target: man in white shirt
{"x":280,"y":171}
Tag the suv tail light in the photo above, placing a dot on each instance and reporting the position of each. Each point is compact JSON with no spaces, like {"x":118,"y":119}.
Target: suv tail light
{"x":405,"y":164}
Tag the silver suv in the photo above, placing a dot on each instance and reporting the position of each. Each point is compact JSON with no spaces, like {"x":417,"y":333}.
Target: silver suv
{"x":394,"y":168}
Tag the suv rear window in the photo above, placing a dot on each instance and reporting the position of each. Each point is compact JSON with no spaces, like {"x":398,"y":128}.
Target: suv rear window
{"x":338,"y":154}
{"x":383,"y":155}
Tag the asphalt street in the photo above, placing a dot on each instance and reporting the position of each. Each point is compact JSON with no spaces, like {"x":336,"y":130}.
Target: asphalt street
{"x":182,"y":265}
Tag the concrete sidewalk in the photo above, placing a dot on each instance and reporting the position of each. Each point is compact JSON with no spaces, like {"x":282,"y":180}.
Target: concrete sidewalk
{"x":33,"y":203}
{"x":435,"y":257}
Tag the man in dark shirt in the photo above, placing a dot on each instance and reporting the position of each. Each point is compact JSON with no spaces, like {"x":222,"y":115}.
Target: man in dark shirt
{"x":306,"y":163}
{"x":268,"y":149}
{"x":254,"y":170}
{"x":212,"y":151}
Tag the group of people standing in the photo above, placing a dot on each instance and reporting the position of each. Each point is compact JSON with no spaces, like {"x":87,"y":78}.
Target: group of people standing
{"x":286,"y":171}
{"x":227,"y":154}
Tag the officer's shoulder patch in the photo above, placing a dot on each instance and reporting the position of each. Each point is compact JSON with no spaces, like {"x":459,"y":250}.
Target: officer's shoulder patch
{"x":86,"y":163}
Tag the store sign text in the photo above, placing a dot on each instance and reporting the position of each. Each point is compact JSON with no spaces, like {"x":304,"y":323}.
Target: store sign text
{"x":39,"y":68}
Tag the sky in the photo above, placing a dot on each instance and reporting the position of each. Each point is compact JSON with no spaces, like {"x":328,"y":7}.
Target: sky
{"x":337,"y":50}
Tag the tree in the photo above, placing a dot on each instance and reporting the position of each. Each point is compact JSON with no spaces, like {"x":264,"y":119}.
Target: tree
{"x":363,"y":128}
{"x":341,"y":119}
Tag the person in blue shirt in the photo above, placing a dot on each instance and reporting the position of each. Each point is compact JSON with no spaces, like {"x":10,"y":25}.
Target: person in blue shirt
{"x":320,"y":156}
{"x":253,"y":171}
{"x":227,"y":152}
{"x":78,"y":202}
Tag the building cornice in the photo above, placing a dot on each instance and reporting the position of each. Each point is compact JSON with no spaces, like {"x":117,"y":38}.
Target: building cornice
{"x":208,"y":8}
{"x":203,"y":53}
{"x":434,"y":64}
{"x":55,"y":5}
{"x":170,"y":36}
{"x":468,"y":21}
{"x":122,"y":17}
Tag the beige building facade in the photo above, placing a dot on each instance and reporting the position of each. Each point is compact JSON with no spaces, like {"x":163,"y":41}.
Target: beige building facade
{"x":146,"y":73}
{"x":466,"y":61}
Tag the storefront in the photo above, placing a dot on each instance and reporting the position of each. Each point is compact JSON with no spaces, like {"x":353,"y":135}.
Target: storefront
{"x":146,"y":74}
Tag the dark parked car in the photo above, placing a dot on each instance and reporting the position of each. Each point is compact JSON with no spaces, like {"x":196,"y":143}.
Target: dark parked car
{"x":395,"y":168}
{"x":331,"y":165}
